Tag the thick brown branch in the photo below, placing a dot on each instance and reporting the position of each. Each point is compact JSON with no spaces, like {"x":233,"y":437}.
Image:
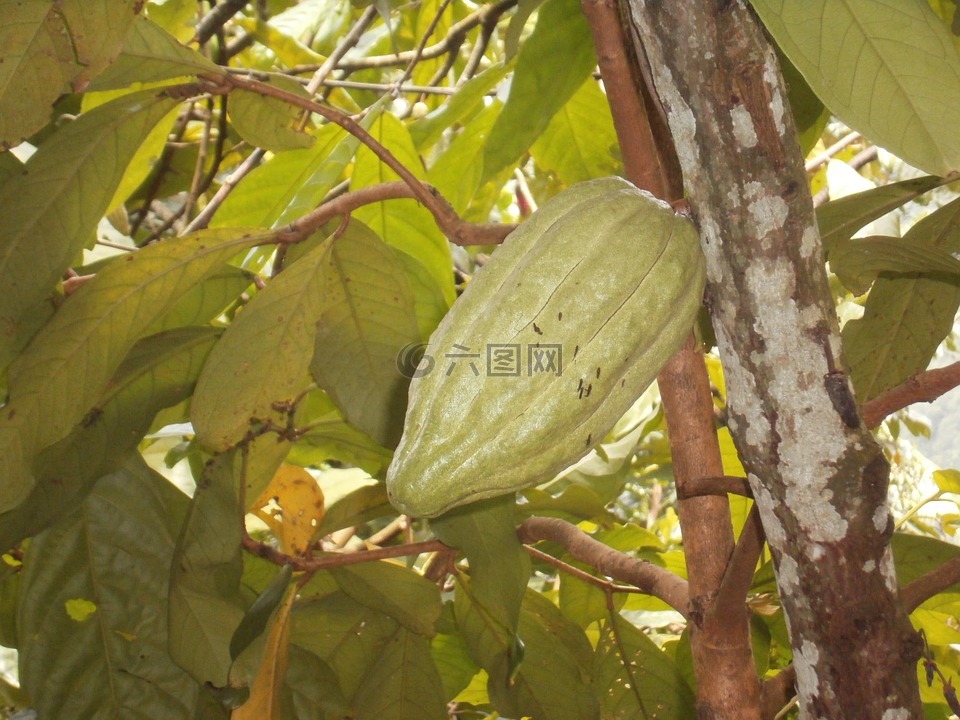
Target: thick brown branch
{"x":740,"y":569}
{"x":777,"y":692}
{"x":923,"y":387}
{"x":926,"y":586}
{"x":651,"y":579}
{"x":722,"y":485}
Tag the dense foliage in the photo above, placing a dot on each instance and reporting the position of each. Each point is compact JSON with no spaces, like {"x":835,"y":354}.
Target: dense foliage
{"x":205,"y":365}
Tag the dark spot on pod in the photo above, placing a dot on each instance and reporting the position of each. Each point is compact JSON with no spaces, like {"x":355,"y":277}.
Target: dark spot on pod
{"x":576,"y":350}
{"x":623,"y":382}
{"x":589,"y":388}
{"x":589,"y":438}
{"x":559,"y":316}
{"x":537,"y":330}
{"x":598,"y":373}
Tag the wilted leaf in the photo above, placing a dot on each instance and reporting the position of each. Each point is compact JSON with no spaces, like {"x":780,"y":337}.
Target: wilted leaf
{"x":264,"y":701}
{"x":889,"y":70}
{"x":299,"y":508}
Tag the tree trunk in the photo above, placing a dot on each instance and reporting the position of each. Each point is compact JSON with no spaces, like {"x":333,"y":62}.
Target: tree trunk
{"x":818,"y":476}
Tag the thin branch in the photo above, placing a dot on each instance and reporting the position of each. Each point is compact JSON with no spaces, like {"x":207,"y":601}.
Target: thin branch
{"x":218,"y":16}
{"x":271,"y":554}
{"x":925,"y":386}
{"x":606,"y":585}
{"x":914,"y":594}
{"x":646,"y":576}
{"x":721,"y":485}
{"x":827,"y":154}
{"x":778,"y":692}
{"x":487,"y":29}
{"x":342,"y":48}
{"x":454,"y":43}
{"x":739,"y":575}
{"x":203,"y":218}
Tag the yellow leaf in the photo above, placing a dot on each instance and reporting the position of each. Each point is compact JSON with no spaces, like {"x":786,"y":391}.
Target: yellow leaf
{"x":292,"y":505}
{"x":79,"y":609}
{"x":264,"y":700}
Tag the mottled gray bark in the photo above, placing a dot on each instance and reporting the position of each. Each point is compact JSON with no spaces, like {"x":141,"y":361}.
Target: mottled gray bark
{"x":819,"y":478}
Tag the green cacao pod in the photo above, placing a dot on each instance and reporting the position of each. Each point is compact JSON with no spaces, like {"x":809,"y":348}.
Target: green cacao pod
{"x":552,"y":341}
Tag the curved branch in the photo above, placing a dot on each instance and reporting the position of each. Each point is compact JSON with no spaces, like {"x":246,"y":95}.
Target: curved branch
{"x":651,"y":579}
{"x":915,"y":593}
{"x":925,"y":386}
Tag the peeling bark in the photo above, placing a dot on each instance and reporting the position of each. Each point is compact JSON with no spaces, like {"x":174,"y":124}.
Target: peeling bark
{"x":818,"y":477}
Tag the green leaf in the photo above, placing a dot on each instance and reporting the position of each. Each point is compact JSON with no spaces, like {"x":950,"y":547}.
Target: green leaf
{"x":890,"y":70}
{"x":113,"y":552}
{"x":404,"y":683}
{"x":499,"y":570}
{"x":906,"y":316}
{"x":289,"y":184}
{"x":858,"y":261}
{"x":348,"y":636}
{"x":580,"y":142}
{"x":916,"y":555}
{"x":207,"y":299}
{"x":55,"y":202}
{"x":426,"y":131}
{"x":452,"y":659}
{"x":268,"y":122}
{"x":160,"y":371}
{"x":404,"y":224}
{"x":150,"y":54}
{"x":59,"y":377}
{"x":947,"y":480}
{"x":581,"y":601}
{"x":839,"y":219}
{"x":49,"y":49}
{"x":457,"y":172}
{"x":369,"y":317}
{"x":634,"y":678}
{"x":361,"y":505}
{"x":551,"y":65}
{"x":262,"y":358}
{"x":255,"y":620}
{"x":314,"y":692}
{"x":403,"y":594}
{"x":553,"y":681}
{"x":205,"y":607}
{"x":287,"y":48}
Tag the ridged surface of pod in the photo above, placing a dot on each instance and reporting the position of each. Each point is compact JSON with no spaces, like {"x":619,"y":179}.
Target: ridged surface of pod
{"x":552,"y":341}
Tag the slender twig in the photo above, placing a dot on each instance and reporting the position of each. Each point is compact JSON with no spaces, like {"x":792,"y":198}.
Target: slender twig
{"x":454,"y":42}
{"x":605,"y":585}
{"x":203,"y":218}
{"x":925,"y":386}
{"x":778,"y":692}
{"x":650,"y":578}
{"x":342,"y":48}
{"x":827,"y":154}
{"x":487,"y":29}
{"x":218,"y":16}
{"x":198,"y":173}
{"x":338,"y":559}
{"x":929,"y":584}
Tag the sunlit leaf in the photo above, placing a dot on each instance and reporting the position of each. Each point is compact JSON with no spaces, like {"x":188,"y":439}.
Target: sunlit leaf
{"x":580,"y":142}
{"x":49,"y":48}
{"x":59,"y":377}
{"x":158,"y":372}
{"x":888,"y":69}
{"x":551,"y":65}
{"x":263,"y":356}
{"x":268,"y":122}
{"x":151,"y":54}
{"x":55,"y":202}
{"x":296,"y":507}
{"x":457,"y":173}
{"x":404,"y":224}
{"x":113,"y":551}
{"x":289,"y":51}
